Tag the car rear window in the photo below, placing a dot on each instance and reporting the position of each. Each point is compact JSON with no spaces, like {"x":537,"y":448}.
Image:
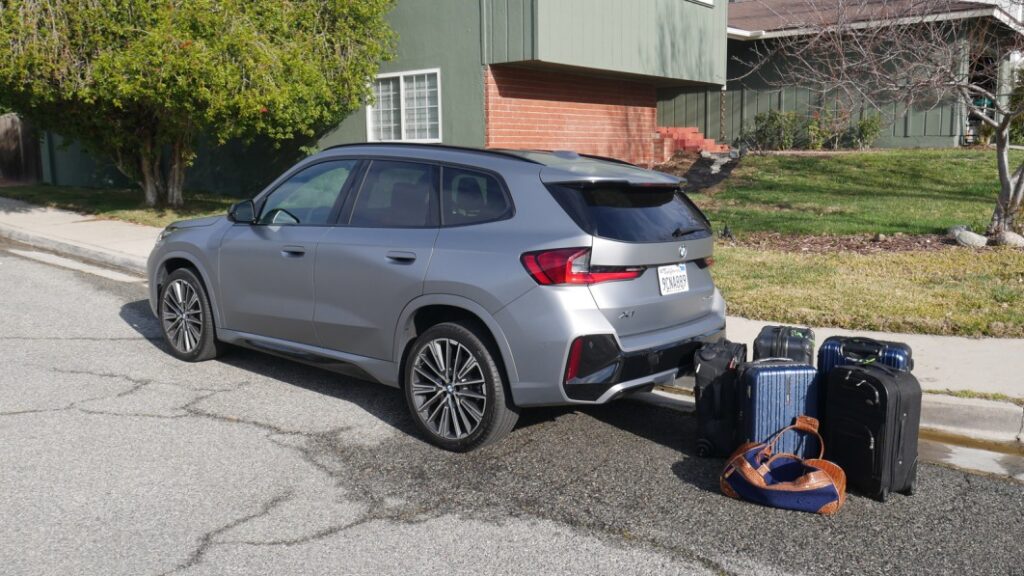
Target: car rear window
{"x":632,"y":213}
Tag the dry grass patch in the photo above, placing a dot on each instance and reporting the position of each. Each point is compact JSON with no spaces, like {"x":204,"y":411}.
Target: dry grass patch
{"x":954,"y":292}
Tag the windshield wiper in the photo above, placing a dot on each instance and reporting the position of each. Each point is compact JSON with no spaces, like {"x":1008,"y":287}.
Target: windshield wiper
{"x":680,"y":232}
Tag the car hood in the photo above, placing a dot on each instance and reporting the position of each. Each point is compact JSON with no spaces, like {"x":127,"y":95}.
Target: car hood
{"x":196,"y":222}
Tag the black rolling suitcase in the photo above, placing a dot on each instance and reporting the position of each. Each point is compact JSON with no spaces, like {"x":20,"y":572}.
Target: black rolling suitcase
{"x":797,"y":344}
{"x":873,"y":413}
{"x":715,"y":393}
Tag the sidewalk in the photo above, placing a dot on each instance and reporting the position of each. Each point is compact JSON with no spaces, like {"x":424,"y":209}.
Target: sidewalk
{"x":991,"y":366}
{"x":108,"y":242}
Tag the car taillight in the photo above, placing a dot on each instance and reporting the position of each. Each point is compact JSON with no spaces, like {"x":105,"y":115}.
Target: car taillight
{"x":572,"y":266}
{"x":572,"y":367}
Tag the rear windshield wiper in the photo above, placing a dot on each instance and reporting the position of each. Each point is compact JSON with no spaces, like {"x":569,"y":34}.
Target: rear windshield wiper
{"x":680,"y":232}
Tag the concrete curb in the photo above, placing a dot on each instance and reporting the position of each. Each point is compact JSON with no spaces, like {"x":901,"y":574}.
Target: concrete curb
{"x":978,"y":420}
{"x":74,"y":249}
{"x":985,"y":420}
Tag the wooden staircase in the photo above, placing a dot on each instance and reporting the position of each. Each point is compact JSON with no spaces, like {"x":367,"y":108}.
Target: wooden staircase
{"x":689,"y":139}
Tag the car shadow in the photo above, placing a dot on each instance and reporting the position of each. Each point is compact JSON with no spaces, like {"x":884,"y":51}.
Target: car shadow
{"x":383,"y":402}
{"x":668,"y":427}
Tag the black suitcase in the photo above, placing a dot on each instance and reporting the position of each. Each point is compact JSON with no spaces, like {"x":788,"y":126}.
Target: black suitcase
{"x":873,"y":413}
{"x":715,"y":393}
{"x":785,"y":342}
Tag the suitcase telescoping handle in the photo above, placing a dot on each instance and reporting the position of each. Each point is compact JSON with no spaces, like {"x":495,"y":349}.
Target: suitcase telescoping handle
{"x":862,"y":349}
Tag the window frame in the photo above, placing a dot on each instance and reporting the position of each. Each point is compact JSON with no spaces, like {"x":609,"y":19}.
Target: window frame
{"x":370,"y":132}
{"x":355,"y":175}
{"x":507,"y":215}
{"x":347,"y":211}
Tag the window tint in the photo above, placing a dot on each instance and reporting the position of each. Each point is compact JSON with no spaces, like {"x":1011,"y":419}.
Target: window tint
{"x":308,"y":197}
{"x":632,"y":214}
{"x":469,"y":197}
{"x":397,"y":195}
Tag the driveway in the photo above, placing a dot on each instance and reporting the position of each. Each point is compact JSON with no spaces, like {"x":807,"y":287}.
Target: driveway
{"x":117,"y":459}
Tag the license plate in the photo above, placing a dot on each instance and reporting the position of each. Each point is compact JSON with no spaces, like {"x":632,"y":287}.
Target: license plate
{"x":673,"y":279}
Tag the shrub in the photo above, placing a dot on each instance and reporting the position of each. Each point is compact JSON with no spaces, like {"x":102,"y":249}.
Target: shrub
{"x":816,"y":131}
{"x":865,"y":132}
{"x":774,"y":130}
{"x":985,"y":133}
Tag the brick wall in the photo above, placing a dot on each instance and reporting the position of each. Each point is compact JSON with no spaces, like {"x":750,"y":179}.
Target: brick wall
{"x":558,"y":111}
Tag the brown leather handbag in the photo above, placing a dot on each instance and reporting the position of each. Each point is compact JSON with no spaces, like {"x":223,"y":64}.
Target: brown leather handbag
{"x":755,"y":474}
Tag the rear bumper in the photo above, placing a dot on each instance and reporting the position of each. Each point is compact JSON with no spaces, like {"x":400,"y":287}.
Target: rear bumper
{"x":641,"y":369}
{"x":541,"y":326}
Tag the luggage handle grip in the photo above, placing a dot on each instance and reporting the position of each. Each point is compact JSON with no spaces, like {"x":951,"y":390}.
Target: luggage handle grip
{"x":864,"y":349}
{"x":766,"y":360}
{"x":874,"y":390}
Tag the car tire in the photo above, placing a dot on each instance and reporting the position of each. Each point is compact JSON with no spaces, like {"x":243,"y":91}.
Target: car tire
{"x":453,"y":383}
{"x":186,"y":318}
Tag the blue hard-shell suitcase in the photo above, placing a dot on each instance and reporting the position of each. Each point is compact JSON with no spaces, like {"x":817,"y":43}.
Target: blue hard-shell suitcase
{"x":841,"y":350}
{"x":773,"y":392}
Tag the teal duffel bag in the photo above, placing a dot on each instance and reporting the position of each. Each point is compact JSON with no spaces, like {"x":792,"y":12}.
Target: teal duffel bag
{"x":755,"y":474}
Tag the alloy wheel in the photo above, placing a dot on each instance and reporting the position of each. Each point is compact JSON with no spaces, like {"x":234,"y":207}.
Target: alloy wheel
{"x":448,"y":389}
{"x":182,"y":316}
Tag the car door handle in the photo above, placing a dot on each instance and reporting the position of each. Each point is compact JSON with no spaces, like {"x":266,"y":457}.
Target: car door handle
{"x":293,"y":251}
{"x":402,"y":257}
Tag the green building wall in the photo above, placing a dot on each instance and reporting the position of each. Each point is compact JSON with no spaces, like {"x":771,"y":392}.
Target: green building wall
{"x":675,"y":41}
{"x":726,"y":114}
{"x":442,"y":34}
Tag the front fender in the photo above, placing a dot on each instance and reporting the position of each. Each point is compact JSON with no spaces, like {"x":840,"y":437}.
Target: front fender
{"x":157,"y":279}
{"x":406,"y":330}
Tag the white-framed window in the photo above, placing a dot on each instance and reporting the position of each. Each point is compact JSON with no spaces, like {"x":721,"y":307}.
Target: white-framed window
{"x":407,"y":107}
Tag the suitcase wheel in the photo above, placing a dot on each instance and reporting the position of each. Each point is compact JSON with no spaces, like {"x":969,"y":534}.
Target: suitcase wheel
{"x":704,"y":448}
{"x":909,"y":490}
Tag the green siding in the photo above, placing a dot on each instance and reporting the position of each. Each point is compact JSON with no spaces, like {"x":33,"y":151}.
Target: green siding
{"x":508,"y":30}
{"x":442,"y":34}
{"x":939,"y":126}
{"x":682,"y":40}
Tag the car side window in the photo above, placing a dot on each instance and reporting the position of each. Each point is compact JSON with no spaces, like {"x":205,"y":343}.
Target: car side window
{"x":470,"y":197}
{"x":397,"y":194}
{"x":307,"y":198}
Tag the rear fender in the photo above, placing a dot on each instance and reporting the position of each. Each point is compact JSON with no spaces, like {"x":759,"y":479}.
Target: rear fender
{"x":406,"y":330}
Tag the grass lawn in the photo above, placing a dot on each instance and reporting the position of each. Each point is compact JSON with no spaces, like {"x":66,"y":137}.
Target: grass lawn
{"x":118,"y":204}
{"x":910,"y":191}
{"x":956,"y":291}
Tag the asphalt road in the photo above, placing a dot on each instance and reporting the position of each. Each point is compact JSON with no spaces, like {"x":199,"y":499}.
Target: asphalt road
{"x":117,"y":459}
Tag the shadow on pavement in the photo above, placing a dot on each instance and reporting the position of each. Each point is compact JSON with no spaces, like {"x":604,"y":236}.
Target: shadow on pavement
{"x":663,"y":426}
{"x":669,"y":428}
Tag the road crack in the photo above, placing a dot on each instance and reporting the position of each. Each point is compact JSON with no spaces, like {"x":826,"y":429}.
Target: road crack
{"x":207,"y":540}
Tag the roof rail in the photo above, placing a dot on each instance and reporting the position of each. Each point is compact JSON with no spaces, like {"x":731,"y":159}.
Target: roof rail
{"x":493,"y":152}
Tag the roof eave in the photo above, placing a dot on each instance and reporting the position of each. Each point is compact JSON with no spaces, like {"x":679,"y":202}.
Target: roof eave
{"x":993,"y":11}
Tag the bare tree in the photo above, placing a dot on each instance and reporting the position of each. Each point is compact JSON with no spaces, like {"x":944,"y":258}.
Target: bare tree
{"x":915,"y":53}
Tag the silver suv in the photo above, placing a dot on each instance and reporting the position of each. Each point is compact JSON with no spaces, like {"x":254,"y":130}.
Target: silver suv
{"x":477,"y":281}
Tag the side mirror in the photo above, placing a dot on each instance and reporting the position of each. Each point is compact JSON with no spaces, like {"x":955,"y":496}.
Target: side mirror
{"x":243,"y":212}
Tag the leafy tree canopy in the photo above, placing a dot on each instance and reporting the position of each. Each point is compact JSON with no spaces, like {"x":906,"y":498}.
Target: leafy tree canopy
{"x":138,"y":79}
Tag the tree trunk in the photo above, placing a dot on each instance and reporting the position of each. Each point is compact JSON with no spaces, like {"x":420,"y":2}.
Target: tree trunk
{"x":1011,"y":188}
{"x":150,"y":176}
{"x":176,"y":173}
